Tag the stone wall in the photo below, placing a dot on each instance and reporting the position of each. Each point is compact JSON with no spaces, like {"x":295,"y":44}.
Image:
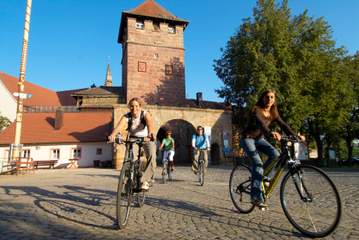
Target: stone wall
{"x":219,"y":121}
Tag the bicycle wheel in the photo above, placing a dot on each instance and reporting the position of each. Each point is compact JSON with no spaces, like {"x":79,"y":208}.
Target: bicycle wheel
{"x":124,"y":198}
{"x":201,"y":173}
{"x":310,"y":201}
{"x":169,"y":172}
{"x":240,"y":188}
{"x":164,"y":172}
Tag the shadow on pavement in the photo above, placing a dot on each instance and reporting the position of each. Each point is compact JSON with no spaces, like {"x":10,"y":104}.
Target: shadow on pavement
{"x":78,"y":204}
{"x":193,"y":210}
{"x":180,"y":207}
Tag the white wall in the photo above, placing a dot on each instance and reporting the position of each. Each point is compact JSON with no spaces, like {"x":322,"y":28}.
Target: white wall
{"x":88,"y":153}
{"x":7,"y":103}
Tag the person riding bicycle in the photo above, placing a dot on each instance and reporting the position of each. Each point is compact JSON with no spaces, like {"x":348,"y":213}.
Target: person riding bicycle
{"x":140,"y":124}
{"x":200,"y":145}
{"x":253,"y":140}
{"x":168,"y":144}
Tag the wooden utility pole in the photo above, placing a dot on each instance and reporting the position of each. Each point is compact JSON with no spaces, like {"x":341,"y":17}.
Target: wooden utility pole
{"x":20,"y":95}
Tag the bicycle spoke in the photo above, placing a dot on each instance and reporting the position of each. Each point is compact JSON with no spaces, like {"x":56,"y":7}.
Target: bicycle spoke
{"x":310,"y":218}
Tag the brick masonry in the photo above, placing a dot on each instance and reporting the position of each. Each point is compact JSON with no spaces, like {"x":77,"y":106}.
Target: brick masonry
{"x":146,"y":52}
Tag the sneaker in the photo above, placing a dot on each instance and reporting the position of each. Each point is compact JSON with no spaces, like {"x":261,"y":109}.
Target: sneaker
{"x":145,"y":186}
{"x":259,"y":204}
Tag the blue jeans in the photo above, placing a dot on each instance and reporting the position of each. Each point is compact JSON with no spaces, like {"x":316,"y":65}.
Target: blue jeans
{"x":252,"y":147}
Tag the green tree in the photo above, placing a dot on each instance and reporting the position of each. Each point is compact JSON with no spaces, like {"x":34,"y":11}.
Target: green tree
{"x":258,"y":57}
{"x":351,"y":126}
{"x":297,"y":57}
{"x":4,"y":122}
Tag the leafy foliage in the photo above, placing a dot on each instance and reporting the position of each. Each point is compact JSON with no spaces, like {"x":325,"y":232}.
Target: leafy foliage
{"x":4,"y":122}
{"x":295,"y":56}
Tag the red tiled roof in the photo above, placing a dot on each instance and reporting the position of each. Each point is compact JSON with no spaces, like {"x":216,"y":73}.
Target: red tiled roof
{"x":65,"y":97}
{"x":77,"y":127}
{"x":153,"y":9}
{"x":40,"y":96}
{"x":100,"y":91}
{"x":149,"y":9}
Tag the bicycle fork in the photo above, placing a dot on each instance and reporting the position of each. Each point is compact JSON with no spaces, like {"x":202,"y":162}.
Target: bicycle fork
{"x":300,"y":186}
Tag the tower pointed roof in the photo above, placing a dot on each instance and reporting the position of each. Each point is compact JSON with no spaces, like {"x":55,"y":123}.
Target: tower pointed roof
{"x":108,"y":81}
{"x":150,"y":9}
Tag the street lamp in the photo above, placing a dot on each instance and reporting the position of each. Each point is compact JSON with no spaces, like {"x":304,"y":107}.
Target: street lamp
{"x":16,"y":150}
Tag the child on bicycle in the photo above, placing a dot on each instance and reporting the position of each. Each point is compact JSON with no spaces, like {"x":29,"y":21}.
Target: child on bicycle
{"x":168,"y":145}
{"x":253,"y":140}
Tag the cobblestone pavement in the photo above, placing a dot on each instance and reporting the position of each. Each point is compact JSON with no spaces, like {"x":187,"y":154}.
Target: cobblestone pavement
{"x":80,"y":204}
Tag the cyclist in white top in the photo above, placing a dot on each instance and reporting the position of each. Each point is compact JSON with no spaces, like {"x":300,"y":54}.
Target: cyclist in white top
{"x":140,"y":124}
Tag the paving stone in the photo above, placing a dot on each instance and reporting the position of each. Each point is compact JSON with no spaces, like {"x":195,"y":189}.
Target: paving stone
{"x":81,"y":203}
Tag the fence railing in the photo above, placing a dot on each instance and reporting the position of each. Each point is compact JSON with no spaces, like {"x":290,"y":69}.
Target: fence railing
{"x":50,"y":108}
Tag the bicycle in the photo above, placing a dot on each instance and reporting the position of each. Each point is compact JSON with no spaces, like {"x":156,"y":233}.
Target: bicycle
{"x":129,"y":184}
{"x":166,"y":171}
{"x":313,"y":213}
{"x":201,"y":166}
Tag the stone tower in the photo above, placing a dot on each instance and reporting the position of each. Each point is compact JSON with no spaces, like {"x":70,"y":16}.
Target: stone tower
{"x":153,"y":55}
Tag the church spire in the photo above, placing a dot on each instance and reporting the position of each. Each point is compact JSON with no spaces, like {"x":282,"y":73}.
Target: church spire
{"x":108,"y":81}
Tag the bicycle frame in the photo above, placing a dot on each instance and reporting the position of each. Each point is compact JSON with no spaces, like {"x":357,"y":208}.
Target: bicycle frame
{"x":279,"y":165}
{"x":201,"y":155}
{"x":134,"y":163}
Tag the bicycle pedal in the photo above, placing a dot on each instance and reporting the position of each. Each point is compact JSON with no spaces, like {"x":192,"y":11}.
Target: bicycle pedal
{"x":262,"y":208}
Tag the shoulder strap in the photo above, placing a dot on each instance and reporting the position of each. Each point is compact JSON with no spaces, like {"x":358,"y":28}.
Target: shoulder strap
{"x":129,"y":121}
{"x":129,"y":117}
{"x":142,"y":117}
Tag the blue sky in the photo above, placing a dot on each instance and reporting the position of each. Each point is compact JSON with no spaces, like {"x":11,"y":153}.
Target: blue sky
{"x":72,"y":41}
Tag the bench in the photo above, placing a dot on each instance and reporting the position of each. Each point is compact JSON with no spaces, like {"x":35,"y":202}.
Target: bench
{"x":24,"y":165}
{"x":49,"y":163}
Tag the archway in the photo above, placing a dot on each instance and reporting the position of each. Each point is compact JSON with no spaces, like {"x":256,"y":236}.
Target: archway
{"x":182,"y":132}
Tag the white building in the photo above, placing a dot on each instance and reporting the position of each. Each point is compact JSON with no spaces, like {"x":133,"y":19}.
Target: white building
{"x":62,"y":136}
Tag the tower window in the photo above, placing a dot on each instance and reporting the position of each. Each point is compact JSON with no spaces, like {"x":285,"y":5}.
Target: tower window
{"x":140,"y":24}
{"x":156,"y":26}
{"x":172,"y":29}
{"x":142,"y":66}
{"x":168,"y":69}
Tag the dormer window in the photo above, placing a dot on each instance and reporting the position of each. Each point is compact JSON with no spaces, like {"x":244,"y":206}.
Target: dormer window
{"x":140,"y":24}
{"x":172,"y":29}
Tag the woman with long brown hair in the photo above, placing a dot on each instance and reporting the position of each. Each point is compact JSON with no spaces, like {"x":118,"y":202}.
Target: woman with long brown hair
{"x":253,"y":140}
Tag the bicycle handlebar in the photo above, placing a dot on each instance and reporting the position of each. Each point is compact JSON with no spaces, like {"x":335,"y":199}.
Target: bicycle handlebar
{"x":293,"y":139}
{"x":132,"y":140}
